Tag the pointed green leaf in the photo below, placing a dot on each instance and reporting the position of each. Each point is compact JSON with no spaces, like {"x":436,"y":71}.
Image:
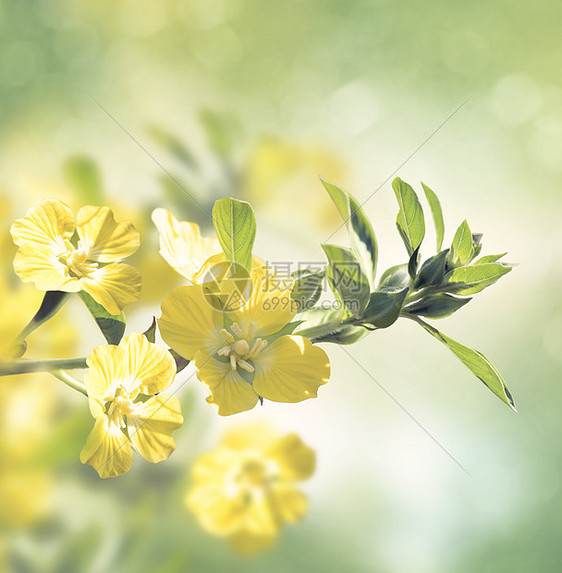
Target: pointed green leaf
{"x":413,"y":263}
{"x":346,"y":278}
{"x":50,"y":305}
{"x":307,"y":289}
{"x":475,"y":278}
{"x":112,"y":326}
{"x":432,"y":271}
{"x":437,"y":214}
{"x":150,"y":332}
{"x":318,"y":317}
{"x":410,"y":220}
{"x":462,"y":248}
{"x":361,"y":234}
{"x":235,"y":225}
{"x":437,"y":305}
{"x":489,"y":259}
{"x":476,"y":362}
{"x":384,"y":307}
{"x":180,"y":361}
{"x":396,"y":277}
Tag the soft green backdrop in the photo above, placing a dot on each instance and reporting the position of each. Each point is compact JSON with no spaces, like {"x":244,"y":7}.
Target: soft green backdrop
{"x":349,"y":91}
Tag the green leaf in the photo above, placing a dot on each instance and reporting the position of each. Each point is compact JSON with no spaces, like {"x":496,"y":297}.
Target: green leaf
{"x":476,"y":245}
{"x":341,"y":334}
{"x":437,"y":305}
{"x":410,"y":220}
{"x":437,"y":214}
{"x":432,"y":272}
{"x":395,"y":277}
{"x":307,"y":289}
{"x":83,"y":176}
{"x":50,"y":305}
{"x":475,"y":278}
{"x":361,"y":234}
{"x":413,"y":263}
{"x":172,"y":144}
{"x":346,"y":278}
{"x":150,"y":332}
{"x":112,"y":326}
{"x":489,"y":259}
{"x":180,"y":361}
{"x":476,"y":362}
{"x":287,"y":329}
{"x":384,"y":307}
{"x":221,"y":131}
{"x":235,"y":225}
{"x":462,"y":248}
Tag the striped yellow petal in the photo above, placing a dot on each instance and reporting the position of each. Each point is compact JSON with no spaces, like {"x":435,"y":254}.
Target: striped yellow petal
{"x":151,"y":426}
{"x":290,"y":369}
{"x":109,"y":241}
{"x":189,"y":323}
{"x":181,"y":243}
{"x":40,"y":265}
{"x":107,"y":371}
{"x":228,"y":390}
{"x":47,"y":224}
{"x":150,"y":367}
{"x":107,"y":449}
{"x":113,"y":286}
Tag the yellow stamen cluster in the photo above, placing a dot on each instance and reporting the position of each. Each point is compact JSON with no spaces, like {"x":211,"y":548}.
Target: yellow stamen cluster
{"x":240,"y":347}
{"x":122,"y":404}
{"x":76,"y":259}
{"x":252,"y":479}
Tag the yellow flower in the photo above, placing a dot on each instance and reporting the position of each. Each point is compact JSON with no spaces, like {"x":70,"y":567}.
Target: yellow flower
{"x":48,"y":257}
{"x":181,"y":243}
{"x":239,"y":353}
{"x":246,"y":489}
{"x":124,"y":384}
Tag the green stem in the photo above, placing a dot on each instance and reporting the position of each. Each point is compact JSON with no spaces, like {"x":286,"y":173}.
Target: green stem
{"x":70,"y":381}
{"x":26,"y":366}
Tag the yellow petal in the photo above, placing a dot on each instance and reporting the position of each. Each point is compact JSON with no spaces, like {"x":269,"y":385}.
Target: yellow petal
{"x":113,"y":286}
{"x":149,"y":366}
{"x":47,"y":223}
{"x":107,"y":449}
{"x":269,"y":303}
{"x":290,"y":370}
{"x":296,"y":461}
{"x":256,"y":436}
{"x":289,"y":503}
{"x":217,"y":268}
{"x":107,"y":370}
{"x":152,"y":424}
{"x":110,"y":241}
{"x":181,"y":243}
{"x":41,"y":266}
{"x":228,"y":390}
{"x":219,"y":510}
{"x":189,"y":323}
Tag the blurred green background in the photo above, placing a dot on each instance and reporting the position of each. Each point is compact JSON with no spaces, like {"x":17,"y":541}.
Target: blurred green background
{"x":258,"y":99}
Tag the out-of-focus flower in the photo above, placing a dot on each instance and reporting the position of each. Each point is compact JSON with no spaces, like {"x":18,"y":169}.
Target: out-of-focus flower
{"x":182,"y":245}
{"x":246,"y":489}
{"x":48,"y":258}
{"x":280,"y":171}
{"x":124,"y":384}
{"x":234,"y":337}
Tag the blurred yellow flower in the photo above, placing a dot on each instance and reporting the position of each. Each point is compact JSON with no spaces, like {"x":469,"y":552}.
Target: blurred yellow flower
{"x":124,"y":384}
{"x":246,"y":489}
{"x":181,"y":243}
{"x":238,"y":349}
{"x":48,"y":258}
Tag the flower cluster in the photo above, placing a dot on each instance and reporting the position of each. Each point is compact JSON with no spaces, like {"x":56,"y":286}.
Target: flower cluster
{"x":247,"y":488}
